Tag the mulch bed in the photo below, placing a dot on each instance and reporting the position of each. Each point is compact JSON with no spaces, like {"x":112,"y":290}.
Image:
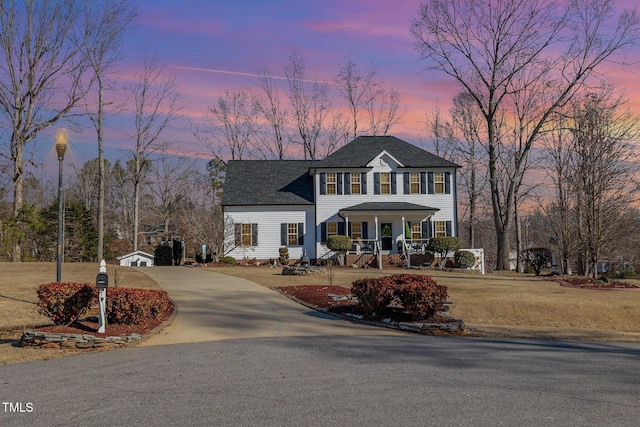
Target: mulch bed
{"x":89,"y":326}
{"x":319,"y":296}
{"x":589,"y":283}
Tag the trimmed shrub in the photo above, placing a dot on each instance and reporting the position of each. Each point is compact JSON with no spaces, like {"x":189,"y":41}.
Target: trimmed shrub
{"x":442,"y":245}
{"x":133,"y":306}
{"x":340,"y":244}
{"x":64,"y":303}
{"x":420,"y":295}
{"x":464,"y":259}
{"x":163,"y":255}
{"x":373,"y":297}
{"x":284,"y":255}
{"x":227,"y":260}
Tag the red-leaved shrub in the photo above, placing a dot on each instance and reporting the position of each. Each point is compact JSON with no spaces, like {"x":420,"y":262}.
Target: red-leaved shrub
{"x":64,"y":303}
{"x":133,"y":306}
{"x":420,"y":295}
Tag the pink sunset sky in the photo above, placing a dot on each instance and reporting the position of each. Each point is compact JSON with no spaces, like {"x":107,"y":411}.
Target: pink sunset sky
{"x":215,"y":45}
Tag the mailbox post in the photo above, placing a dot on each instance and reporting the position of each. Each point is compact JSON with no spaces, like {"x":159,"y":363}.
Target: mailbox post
{"x":102,"y":282}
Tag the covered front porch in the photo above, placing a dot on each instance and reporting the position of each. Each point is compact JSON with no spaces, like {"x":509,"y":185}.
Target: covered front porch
{"x":399,"y":228}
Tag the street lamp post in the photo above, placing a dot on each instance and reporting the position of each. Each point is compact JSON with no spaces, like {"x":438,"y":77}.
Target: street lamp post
{"x":62,"y":135}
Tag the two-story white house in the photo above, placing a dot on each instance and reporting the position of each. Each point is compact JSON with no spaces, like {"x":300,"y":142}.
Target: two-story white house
{"x":388,"y":195}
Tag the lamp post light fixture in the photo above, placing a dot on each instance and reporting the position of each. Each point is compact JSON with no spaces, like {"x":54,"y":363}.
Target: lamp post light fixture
{"x":62,"y":135}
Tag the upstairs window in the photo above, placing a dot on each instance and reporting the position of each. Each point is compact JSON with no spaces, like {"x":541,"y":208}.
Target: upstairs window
{"x":355,"y":183}
{"x":332,"y":183}
{"x":385,"y":183}
{"x":438,"y":182}
{"x":414,"y":183}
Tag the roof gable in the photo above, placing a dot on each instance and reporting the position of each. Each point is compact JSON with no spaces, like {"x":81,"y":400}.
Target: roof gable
{"x":364,"y":149}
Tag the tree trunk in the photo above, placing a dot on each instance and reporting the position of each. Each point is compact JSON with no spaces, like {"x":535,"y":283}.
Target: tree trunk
{"x":18,"y":196}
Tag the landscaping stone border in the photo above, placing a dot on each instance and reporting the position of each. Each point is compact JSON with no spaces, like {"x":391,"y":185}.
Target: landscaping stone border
{"x":79,"y":341}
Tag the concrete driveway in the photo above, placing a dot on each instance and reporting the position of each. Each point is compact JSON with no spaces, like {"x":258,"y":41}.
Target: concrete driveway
{"x":214,"y":306}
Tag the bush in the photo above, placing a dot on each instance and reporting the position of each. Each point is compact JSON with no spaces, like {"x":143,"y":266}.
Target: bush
{"x":64,"y":303}
{"x":537,"y":258}
{"x":340,"y":244}
{"x":284,"y":256}
{"x":442,"y":245}
{"x":420,"y":295}
{"x":163,"y":255}
{"x":373,"y":297}
{"x":624,"y":274}
{"x":133,"y":306}
{"x":228,"y":260}
{"x":464,"y":259}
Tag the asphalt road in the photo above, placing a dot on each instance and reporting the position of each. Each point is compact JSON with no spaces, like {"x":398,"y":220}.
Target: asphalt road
{"x":406,"y":380}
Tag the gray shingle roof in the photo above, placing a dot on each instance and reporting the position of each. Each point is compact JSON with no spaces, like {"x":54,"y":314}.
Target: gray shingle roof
{"x":363,"y":149}
{"x":287,"y":182}
{"x":268,"y":182}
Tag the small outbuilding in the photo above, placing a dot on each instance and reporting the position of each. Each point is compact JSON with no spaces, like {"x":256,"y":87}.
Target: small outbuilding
{"x":136,"y":259}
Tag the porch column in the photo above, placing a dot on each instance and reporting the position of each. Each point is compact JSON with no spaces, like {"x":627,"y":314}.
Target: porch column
{"x":346,"y":225}
{"x":404,"y":242}
{"x":377,"y":249}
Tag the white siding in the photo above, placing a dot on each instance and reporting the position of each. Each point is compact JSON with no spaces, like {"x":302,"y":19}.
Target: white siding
{"x":329,"y":205}
{"x":269,"y":219}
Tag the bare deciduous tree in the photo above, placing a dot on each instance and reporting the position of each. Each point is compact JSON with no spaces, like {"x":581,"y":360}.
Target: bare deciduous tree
{"x":157,"y":103}
{"x":602,"y":163}
{"x":105,"y":22}
{"x":309,"y":103}
{"x":498,"y":49}
{"x":170,"y":185}
{"x":41,"y":71}
{"x":271,"y":140}
{"x":232,"y":122}
{"x":359,"y":89}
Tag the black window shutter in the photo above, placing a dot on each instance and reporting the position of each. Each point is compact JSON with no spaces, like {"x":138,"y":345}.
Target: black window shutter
{"x":365,"y":230}
{"x":406,"y":183}
{"x":431,"y":185}
{"x":393,"y":183}
{"x":349,"y":229}
{"x":426,"y":229}
{"x":447,"y":182}
{"x":339,"y":183}
{"x":283,"y":234}
{"x":347,"y":183}
{"x":449,"y":227}
{"x":301,"y":233}
{"x":238,"y":234}
{"x":363,"y":183}
{"x":376,"y":183}
{"x":323,"y":232}
{"x":254,"y":234}
{"x":423,"y":182}
{"x":341,"y":228}
{"x":323,"y":183}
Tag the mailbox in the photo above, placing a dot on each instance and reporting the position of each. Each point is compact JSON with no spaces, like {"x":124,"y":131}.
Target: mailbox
{"x":102,"y":281}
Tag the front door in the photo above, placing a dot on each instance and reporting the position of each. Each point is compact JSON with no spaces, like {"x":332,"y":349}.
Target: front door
{"x":386,"y":231}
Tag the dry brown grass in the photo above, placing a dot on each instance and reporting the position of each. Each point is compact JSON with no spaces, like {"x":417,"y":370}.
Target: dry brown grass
{"x":18,"y":299}
{"x":503,"y":304}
